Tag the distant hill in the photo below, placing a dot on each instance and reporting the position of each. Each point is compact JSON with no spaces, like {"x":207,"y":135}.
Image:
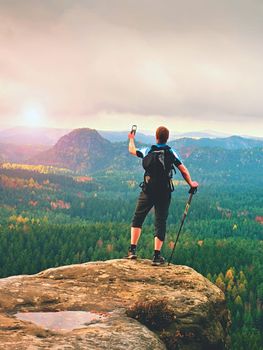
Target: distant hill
{"x":32,"y":136}
{"x":19,"y":153}
{"x":212,"y":165}
{"x":186,"y":146}
{"x":82,"y":150}
{"x":121,"y":136}
{"x":149,"y":137}
{"x":49,"y":136}
{"x":200,"y":139}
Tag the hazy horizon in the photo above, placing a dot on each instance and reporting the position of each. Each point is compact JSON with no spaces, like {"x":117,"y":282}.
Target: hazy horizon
{"x":173,"y":133}
{"x":191,"y":66}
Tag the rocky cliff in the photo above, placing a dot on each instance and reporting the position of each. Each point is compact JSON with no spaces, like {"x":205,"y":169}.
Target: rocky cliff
{"x":127,"y":305}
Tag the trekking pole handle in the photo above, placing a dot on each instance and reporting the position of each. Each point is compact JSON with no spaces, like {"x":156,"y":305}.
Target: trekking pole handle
{"x":193,"y":190}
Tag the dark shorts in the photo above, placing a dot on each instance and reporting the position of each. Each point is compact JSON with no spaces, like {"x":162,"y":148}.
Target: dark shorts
{"x":145,"y":203}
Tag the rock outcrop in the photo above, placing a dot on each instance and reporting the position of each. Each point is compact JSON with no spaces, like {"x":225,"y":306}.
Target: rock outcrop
{"x":143,"y":307}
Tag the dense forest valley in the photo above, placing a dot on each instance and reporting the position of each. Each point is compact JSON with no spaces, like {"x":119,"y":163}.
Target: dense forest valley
{"x":51,"y":217}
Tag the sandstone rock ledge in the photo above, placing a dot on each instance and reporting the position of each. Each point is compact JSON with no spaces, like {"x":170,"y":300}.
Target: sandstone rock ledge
{"x":190,"y":310}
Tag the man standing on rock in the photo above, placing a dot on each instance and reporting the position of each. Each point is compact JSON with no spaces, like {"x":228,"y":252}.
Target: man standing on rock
{"x":158,"y":161}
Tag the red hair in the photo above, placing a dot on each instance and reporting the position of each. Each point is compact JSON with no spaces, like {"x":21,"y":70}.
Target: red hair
{"x":162,"y":134}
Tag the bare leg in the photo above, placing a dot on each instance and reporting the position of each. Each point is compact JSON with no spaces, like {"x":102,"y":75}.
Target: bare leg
{"x":157,"y":243}
{"x":135,"y":234}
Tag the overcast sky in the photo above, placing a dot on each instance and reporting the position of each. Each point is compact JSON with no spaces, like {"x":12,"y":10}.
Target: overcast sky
{"x":190,"y":65}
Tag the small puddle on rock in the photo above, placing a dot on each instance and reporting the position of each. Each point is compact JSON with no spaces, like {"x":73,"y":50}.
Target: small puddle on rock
{"x":61,"y":320}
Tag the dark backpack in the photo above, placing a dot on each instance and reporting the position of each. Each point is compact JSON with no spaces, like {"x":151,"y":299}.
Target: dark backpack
{"x":158,"y":166}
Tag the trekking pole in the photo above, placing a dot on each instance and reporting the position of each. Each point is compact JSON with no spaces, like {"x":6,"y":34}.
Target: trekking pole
{"x":192,"y":191}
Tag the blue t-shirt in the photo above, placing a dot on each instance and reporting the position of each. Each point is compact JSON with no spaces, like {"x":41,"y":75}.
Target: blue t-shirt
{"x":142,"y":152}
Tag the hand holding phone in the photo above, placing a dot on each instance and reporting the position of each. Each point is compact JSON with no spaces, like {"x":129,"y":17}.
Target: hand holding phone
{"x":134,"y":129}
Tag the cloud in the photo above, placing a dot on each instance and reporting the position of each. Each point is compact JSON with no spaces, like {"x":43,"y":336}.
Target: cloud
{"x":192,"y":59}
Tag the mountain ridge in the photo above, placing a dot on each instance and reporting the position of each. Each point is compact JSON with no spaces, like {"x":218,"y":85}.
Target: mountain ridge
{"x":85,"y":151}
{"x":74,"y":150}
{"x":49,"y":136}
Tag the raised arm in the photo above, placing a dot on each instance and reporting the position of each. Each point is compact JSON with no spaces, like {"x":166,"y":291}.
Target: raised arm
{"x":132,"y":148}
{"x":186,"y":175}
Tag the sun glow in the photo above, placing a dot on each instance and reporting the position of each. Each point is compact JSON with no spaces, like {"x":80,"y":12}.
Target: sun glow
{"x":33,"y":116}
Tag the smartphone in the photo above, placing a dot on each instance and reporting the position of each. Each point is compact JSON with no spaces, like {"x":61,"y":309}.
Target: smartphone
{"x":133,"y":130}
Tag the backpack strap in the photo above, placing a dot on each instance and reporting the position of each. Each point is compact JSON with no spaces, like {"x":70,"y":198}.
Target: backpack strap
{"x":155,"y":148}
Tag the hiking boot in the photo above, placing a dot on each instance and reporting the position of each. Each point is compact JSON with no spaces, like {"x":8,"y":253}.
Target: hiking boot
{"x":158,"y":260}
{"x":131,"y":254}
